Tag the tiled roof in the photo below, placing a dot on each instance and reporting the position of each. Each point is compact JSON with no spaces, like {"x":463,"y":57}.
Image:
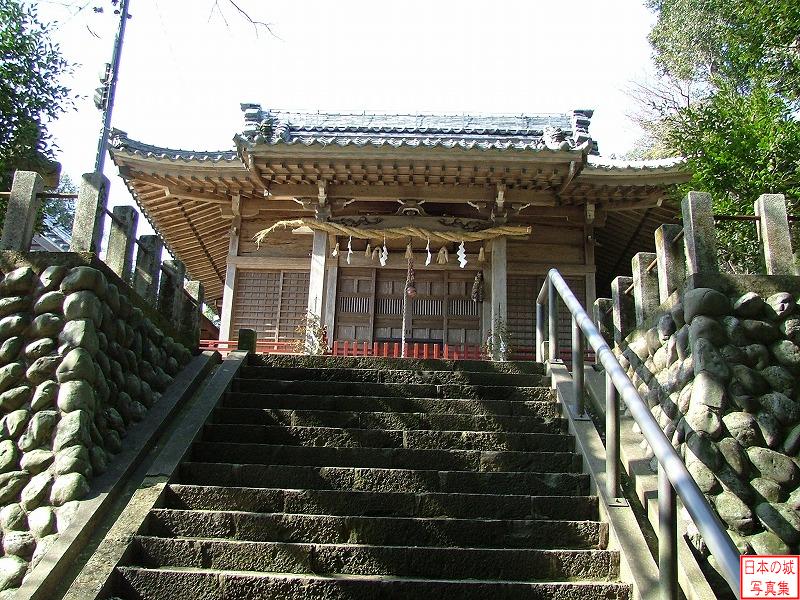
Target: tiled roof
{"x":599,"y":163}
{"x":120,"y":141}
{"x":562,"y":132}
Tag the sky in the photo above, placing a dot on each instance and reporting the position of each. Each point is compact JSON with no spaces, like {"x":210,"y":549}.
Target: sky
{"x":187,"y":64}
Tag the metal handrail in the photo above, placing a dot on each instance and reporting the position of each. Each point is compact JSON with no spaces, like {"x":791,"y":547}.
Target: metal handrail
{"x":672,"y":473}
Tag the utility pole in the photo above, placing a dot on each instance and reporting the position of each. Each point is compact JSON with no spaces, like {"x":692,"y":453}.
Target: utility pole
{"x":111,"y":87}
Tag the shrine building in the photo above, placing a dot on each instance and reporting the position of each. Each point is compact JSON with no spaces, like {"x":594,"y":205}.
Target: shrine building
{"x":320,"y":213}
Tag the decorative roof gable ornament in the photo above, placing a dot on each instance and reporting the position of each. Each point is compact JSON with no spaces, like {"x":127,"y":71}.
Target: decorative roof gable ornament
{"x":555,"y":139}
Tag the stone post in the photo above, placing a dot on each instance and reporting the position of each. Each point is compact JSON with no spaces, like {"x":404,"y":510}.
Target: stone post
{"x":87,"y":228}
{"x":121,"y":238}
{"x":698,"y":234}
{"x":775,"y":238}
{"x":624,"y":310}
{"x":498,"y":276}
{"x":192,"y":311}
{"x":246,"y":340}
{"x":148,"y":268}
{"x":603,"y":314}
{"x":170,"y":291}
{"x":316,"y":282}
{"x":23,"y":206}
{"x":645,"y":286}
{"x":671,"y":261}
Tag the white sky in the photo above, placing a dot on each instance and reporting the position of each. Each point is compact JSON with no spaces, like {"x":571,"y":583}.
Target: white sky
{"x":184,"y":71}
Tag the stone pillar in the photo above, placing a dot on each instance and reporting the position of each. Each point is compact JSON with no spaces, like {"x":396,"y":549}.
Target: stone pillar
{"x":624,"y":310}
{"x":698,"y":234}
{"x":645,"y":286}
{"x":21,"y":212}
{"x":247,"y":340}
{"x":316,"y":280}
{"x":499,"y":278}
{"x":330,"y":299}
{"x":671,"y":261}
{"x":603,"y":309}
{"x":170,"y":291}
{"x":775,"y":238}
{"x":226,"y":313}
{"x":148,"y":268}
{"x":87,"y":228}
{"x":192,"y":311}
{"x":121,"y":238}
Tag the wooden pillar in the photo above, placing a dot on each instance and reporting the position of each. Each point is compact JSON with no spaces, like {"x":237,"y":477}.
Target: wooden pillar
{"x":499,"y":281}
{"x":591,"y":285}
{"x":698,"y":234}
{"x":774,"y":231}
{"x":671,"y":261}
{"x":22,"y":210}
{"x":87,"y":227}
{"x":316,"y":280}
{"x":121,"y":238}
{"x":226,"y":315}
{"x":330,"y":298}
{"x":148,"y":268}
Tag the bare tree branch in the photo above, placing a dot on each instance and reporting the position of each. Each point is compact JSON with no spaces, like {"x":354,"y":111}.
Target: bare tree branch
{"x":244,"y":14}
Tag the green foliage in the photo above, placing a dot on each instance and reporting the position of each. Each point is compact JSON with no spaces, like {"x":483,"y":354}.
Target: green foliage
{"x":727,"y":100}
{"x":30,"y":93}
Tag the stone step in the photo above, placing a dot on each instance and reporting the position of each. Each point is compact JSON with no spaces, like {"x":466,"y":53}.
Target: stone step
{"x":395,"y":420}
{"x":387,"y":458}
{"x":393,"y":375}
{"x":414,"y":364}
{"x":416,"y":390}
{"x":381,"y":531}
{"x":194,"y":584}
{"x":546,"y":407}
{"x":387,"y":504}
{"x":387,"y":438}
{"x":384,"y":480}
{"x":402,"y":561}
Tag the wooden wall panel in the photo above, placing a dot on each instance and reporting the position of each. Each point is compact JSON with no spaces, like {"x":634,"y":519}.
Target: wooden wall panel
{"x":281,"y":243}
{"x":522,"y":292}
{"x":273,"y":303}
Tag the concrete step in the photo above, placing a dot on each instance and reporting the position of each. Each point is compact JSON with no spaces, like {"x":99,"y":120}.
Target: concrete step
{"x":401,"y":561}
{"x":194,"y":584}
{"x":381,"y":531}
{"x":387,"y":504}
{"x":397,"y":404}
{"x":387,"y":438}
{"x":393,"y":375}
{"x":383,"y":480}
{"x":414,"y":364}
{"x":387,"y":458}
{"x":415,"y":390}
{"x":547,"y":422}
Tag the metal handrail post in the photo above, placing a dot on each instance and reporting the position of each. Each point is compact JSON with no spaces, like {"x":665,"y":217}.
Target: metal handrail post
{"x":667,"y":538}
{"x":612,"y":440}
{"x":552,"y":313}
{"x":539,"y":332}
{"x":577,"y":368}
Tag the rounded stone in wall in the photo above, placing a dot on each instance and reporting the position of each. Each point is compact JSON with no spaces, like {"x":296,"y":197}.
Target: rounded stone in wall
{"x":784,"y":409}
{"x":767,"y":489}
{"x":51,"y":277}
{"x":10,"y":349}
{"x":39,"y":348}
{"x":749,"y":306}
{"x":72,"y":486}
{"x":12,"y":571}
{"x":781,"y":305}
{"x":761,"y":332}
{"x":704,"y":301}
{"x":773,"y":465}
{"x":44,"y":397}
{"x":13,"y":518}
{"x":42,"y":521}
{"x":779,"y":379}
{"x":84,"y":278}
{"x":781,"y":520}
{"x":76,"y":365}
{"x":735,"y":513}
{"x":18,"y":281}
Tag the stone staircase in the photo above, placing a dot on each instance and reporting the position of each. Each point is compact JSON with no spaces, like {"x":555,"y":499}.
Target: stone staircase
{"x":377,"y":478}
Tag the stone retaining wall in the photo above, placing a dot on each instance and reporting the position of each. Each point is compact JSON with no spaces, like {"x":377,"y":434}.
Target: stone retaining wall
{"x":80,"y":363}
{"x":720,"y":375}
